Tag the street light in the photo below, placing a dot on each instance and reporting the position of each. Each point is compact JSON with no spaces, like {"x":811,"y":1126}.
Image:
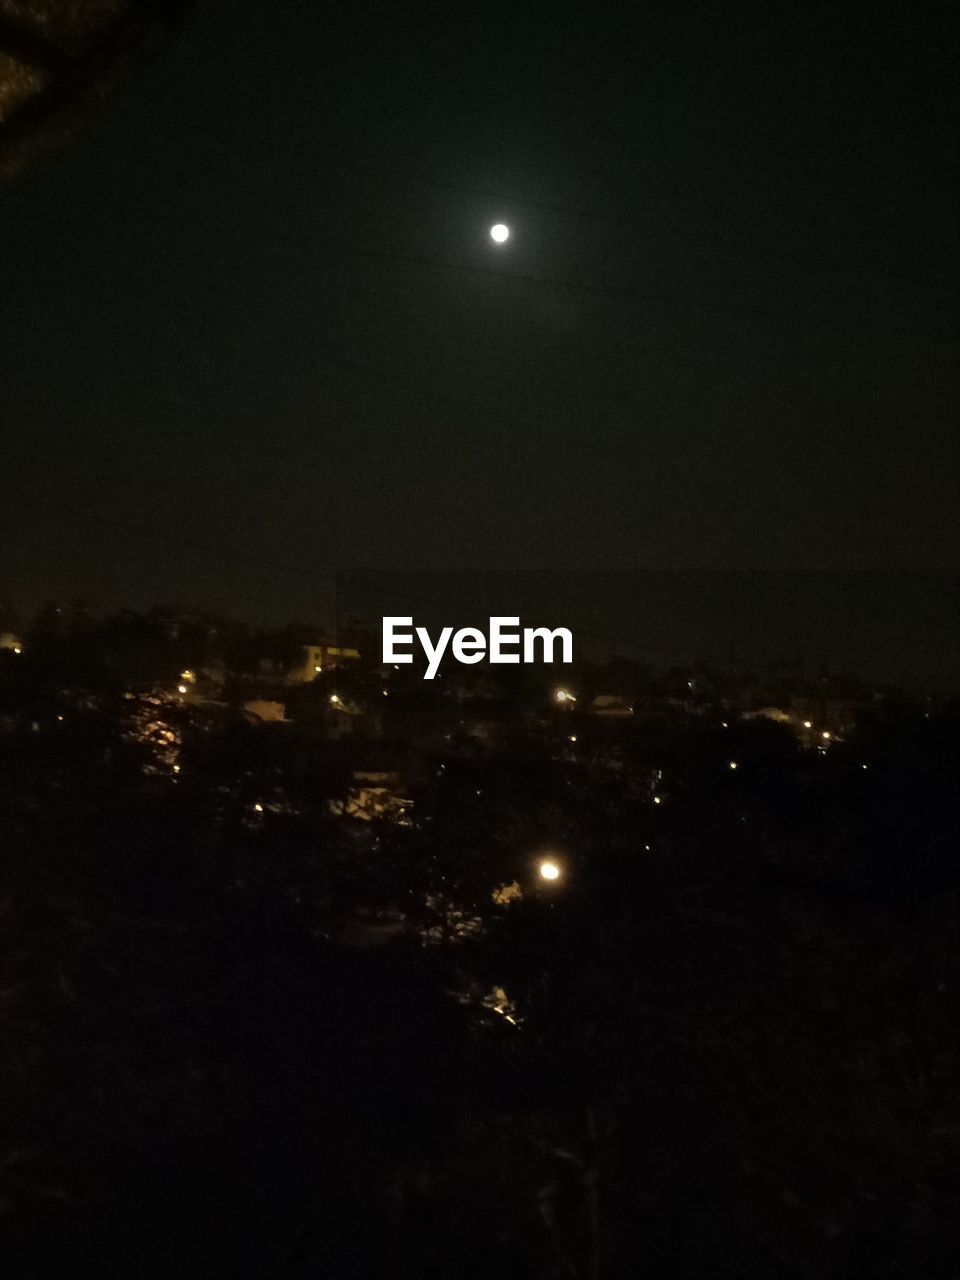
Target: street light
{"x":499,"y":234}
{"x":549,"y":870}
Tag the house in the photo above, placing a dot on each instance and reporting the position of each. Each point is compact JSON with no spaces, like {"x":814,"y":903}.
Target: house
{"x":316,"y":658}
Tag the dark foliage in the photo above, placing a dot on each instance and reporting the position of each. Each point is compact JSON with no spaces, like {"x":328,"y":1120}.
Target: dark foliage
{"x":273,"y":1042}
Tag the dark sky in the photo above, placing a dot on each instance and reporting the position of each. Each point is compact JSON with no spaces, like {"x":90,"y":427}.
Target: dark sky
{"x":254,"y":303}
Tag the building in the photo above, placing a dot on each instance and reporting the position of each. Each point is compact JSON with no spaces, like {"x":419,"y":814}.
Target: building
{"x":316,"y":658}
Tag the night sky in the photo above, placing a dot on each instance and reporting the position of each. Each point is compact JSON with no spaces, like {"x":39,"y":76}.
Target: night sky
{"x":253,"y":305}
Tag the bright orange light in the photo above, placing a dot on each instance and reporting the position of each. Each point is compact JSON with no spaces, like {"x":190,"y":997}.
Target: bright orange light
{"x":549,"y":870}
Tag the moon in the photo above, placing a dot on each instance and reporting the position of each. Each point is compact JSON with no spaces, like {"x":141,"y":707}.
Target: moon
{"x":499,"y":233}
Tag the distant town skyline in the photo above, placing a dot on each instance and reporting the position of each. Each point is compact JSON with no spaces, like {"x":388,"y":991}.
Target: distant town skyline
{"x":896,"y":628}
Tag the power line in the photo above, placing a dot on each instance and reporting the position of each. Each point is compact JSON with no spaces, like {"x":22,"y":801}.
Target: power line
{"x":623,"y":217}
{"x":495,"y":417}
{"x":148,"y":532}
{"x":336,"y":577}
{"x":633,"y":219}
{"x":750,"y":312}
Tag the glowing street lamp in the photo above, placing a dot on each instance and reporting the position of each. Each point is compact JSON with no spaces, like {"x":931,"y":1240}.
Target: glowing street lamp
{"x":500,"y":234}
{"x":549,"y":869}
{"x":563,"y":696}
{"x":334,"y":699}
{"x":733,"y":764}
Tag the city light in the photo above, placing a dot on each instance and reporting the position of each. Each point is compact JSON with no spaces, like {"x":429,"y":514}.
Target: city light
{"x":733,"y":764}
{"x":549,"y":870}
{"x":573,"y":737}
{"x":825,"y":735}
{"x":499,"y":234}
{"x":188,"y":676}
{"x":808,"y":724}
{"x":656,"y":800}
{"x":334,"y":699}
{"x":17,"y":648}
{"x":317,"y":668}
{"x":181,"y":688}
{"x":563,"y":696}
{"x":258,"y":808}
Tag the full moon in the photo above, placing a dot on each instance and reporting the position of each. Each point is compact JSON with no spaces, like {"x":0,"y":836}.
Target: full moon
{"x":499,"y":233}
